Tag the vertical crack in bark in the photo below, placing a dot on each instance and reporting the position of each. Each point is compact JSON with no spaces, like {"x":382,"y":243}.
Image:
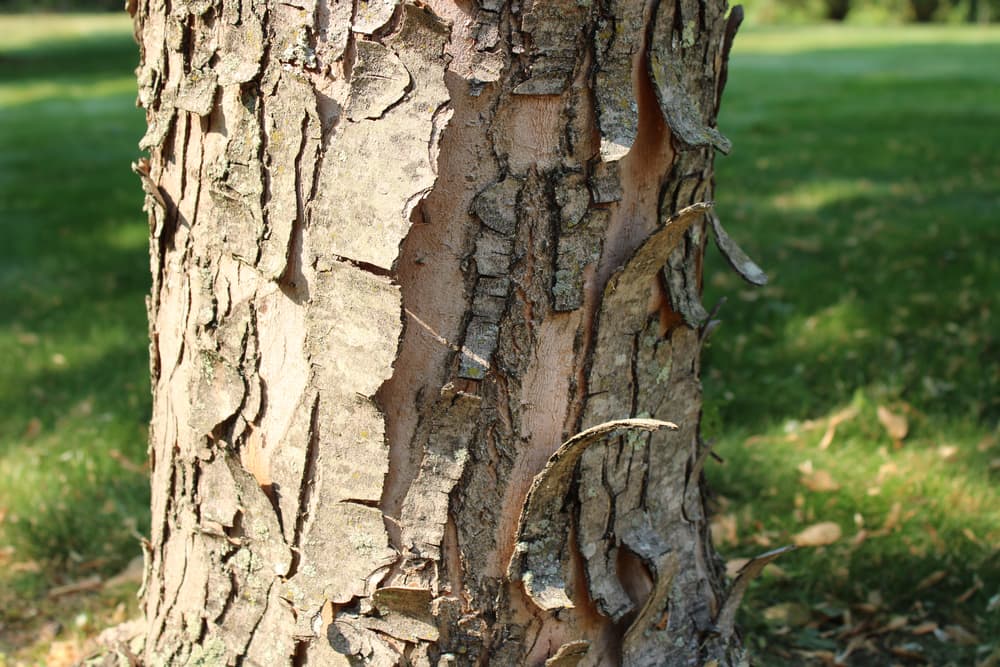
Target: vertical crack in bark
{"x":307,"y":495}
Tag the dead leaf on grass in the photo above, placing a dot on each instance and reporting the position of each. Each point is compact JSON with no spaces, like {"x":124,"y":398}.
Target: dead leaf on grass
{"x":992,"y":660}
{"x":909,"y":650}
{"x":33,"y":428}
{"x":948,"y":452}
{"x":127,"y":463}
{"x":885,"y":471}
{"x":724,"y":529}
{"x":818,"y":535}
{"x":892,"y":518}
{"x":931,"y":579}
{"x":88,"y":584}
{"x":788,"y":613}
{"x":852,"y":646}
{"x":896,"y":424}
{"x":971,"y":536}
{"x":961,"y":636}
{"x":25,"y":566}
{"x":825,"y":658}
{"x":820,"y":481}
{"x":64,"y":653}
{"x":964,"y":597}
{"x":27,"y":338}
{"x":49,"y":631}
{"x":924,"y":628}
{"x":895,"y":623}
{"x":835,"y":421}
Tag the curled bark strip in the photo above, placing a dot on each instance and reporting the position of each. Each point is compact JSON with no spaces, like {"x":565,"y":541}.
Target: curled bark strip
{"x":725,"y":621}
{"x":569,"y":654}
{"x":543,"y":529}
{"x":682,"y":110}
{"x":623,"y":313}
{"x":732,"y":25}
{"x":735,"y":255}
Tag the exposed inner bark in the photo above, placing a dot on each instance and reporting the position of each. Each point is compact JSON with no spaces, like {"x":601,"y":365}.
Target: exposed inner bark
{"x":403,"y":253}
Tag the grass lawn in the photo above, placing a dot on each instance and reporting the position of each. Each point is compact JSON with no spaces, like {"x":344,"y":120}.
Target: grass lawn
{"x":865,"y":178}
{"x":74,"y":393}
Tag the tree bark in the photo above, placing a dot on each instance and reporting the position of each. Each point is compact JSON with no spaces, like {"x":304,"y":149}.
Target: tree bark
{"x":425,"y":295}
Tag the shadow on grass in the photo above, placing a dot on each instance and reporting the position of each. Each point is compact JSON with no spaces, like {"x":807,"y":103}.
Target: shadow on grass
{"x":864,"y":181}
{"x":81,"y":58}
{"x":73,"y":275}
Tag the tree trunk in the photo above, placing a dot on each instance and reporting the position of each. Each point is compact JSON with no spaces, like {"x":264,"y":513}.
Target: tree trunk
{"x":425,"y":279}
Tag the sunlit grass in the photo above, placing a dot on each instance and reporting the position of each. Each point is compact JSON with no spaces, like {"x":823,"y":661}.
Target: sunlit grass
{"x":74,"y":396}
{"x":864,"y":178}
{"x":65,"y":98}
{"x":50,"y":30}
{"x":796,"y":39}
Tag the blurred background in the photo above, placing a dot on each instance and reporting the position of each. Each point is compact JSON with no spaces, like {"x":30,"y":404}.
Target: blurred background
{"x":855,"y":400}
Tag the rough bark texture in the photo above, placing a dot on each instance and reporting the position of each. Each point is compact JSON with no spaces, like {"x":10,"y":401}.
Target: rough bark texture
{"x":401,"y":253}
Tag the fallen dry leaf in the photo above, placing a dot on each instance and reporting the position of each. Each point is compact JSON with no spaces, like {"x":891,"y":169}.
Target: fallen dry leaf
{"x":788,"y":613}
{"x":820,"y":481}
{"x":910,"y":651}
{"x":924,"y":628}
{"x":896,"y":425}
{"x":992,"y":660}
{"x":27,"y":338}
{"x":865,"y":608}
{"x":49,"y":631}
{"x":885,"y":471}
{"x":723,"y":527}
{"x":818,"y":535}
{"x":961,"y":636}
{"x":892,"y":518}
{"x":947,"y":452}
{"x":64,"y":653}
{"x":895,"y":623}
{"x":852,"y":646}
{"x":835,"y":421}
{"x":127,"y":463}
{"x":88,"y":584}
{"x":931,"y":579}
{"x":33,"y":429}
{"x":969,"y":592}
{"x":25,"y":566}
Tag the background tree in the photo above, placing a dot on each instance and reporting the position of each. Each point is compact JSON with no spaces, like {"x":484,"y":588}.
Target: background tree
{"x":400,"y":254}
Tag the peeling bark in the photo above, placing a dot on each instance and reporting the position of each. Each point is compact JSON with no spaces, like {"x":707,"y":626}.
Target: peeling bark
{"x":400,"y":253}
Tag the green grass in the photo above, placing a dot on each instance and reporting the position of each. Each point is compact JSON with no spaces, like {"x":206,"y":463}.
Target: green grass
{"x":866,"y":179}
{"x":74,"y":392}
